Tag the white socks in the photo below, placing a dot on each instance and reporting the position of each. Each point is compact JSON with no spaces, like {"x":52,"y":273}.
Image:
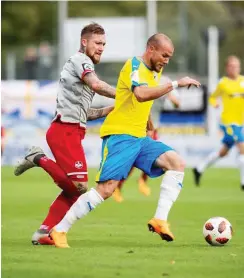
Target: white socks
{"x":169,"y":191}
{"x":210,"y":159}
{"x":84,"y":204}
{"x":241,"y":164}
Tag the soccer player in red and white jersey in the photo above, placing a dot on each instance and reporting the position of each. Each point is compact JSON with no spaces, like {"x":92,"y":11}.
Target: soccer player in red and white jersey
{"x":77,"y":85}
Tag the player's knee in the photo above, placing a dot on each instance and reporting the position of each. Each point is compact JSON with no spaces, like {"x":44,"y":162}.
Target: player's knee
{"x":223,"y":154}
{"x":81,"y":186}
{"x":106,"y":191}
{"x":224,"y":151}
{"x":107,"y":188}
{"x":179,"y":164}
{"x":174,"y":162}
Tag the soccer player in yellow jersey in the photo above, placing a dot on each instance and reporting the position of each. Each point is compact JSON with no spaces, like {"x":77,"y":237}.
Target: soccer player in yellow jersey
{"x":125,"y":143}
{"x":231,"y":91}
{"x":151,"y":132}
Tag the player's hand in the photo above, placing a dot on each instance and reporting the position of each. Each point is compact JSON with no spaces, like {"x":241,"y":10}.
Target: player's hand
{"x":150,"y":133}
{"x":187,"y":82}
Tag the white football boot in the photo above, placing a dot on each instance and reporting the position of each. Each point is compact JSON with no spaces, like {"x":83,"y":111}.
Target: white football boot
{"x":41,"y":237}
{"x":28,"y":162}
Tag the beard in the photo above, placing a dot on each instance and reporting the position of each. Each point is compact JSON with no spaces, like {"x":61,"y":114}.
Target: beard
{"x":95,"y":59}
{"x":154,"y":66}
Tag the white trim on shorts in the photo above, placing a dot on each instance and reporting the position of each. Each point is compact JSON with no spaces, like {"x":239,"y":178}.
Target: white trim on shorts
{"x":77,"y":173}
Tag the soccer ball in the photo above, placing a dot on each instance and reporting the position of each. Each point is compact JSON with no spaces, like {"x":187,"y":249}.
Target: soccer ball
{"x":217,"y":231}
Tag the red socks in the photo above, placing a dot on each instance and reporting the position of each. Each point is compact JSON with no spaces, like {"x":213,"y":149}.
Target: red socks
{"x":58,"y":210}
{"x":58,"y":175}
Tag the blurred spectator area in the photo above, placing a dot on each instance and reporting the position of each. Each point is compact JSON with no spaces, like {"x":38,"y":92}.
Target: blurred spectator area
{"x":30,"y":34}
{"x":31,"y":62}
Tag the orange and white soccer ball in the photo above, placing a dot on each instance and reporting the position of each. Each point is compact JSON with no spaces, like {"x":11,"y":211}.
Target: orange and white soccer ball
{"x":217,"y":231}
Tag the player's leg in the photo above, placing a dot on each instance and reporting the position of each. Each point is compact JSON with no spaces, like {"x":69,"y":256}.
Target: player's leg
{"x":228,"y":141}
{"x":142,"y":184}
{"x":113,"y":168}
{"x":240,"y":146}
{"x":84,"y":204}
{"x":239,"y":135}
{"x":56,"y":212}
{"x":75,"y":166}
{"x":155,"y":159}
{"x":2,"y":139}
{"x":36,"y":157}
{"x":208,"y":161}
{"x":142,"y":181}
{"x":117,"y":195}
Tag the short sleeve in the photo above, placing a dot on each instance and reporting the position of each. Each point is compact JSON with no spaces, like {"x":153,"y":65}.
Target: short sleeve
{"x":130,"y":74}
{"x":135,"y":74}
{"x":82,"y":65}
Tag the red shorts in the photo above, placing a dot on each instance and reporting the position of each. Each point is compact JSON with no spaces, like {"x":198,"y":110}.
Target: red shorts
{"x":64,"y":140}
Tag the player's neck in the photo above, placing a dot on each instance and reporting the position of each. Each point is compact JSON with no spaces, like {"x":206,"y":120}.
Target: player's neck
{"x":82,"y":50}
{"x":146,"y":61}
{"x":233,"y":77}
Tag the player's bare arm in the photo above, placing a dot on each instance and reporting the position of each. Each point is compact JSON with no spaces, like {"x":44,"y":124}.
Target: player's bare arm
{"x":99,"y":86}
{"x":150,"y":126}
{"x":174,"y":100}
{"x":93,"y":114}
{"x":143,"y":93}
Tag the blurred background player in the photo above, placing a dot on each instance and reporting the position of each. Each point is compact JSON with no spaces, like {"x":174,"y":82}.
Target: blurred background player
{"x":230,"y":90}
{"x":77,"y":86}
{"x":125,"y":143}
{"x":152,"y":132}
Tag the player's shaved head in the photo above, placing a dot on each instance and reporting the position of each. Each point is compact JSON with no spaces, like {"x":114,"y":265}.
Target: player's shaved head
{"x":233,"y":66}
{"x":158,"y":40}
{"x":158,"y":52}
{"x":231,"y":59}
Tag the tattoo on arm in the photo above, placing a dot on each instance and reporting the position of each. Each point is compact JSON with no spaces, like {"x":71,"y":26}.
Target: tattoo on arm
{"x":93,"y":114}
{"x":99,"y":86}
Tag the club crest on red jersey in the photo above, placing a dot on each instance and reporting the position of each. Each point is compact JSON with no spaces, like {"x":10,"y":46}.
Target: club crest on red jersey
{"x":78,"y":164}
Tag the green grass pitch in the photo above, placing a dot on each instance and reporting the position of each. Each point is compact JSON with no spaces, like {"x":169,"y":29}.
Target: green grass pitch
{"x":113,"y":241}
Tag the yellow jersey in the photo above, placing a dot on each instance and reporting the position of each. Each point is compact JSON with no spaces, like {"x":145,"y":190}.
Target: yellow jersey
{"x":232,"y":94}
{"x":130,"y":116}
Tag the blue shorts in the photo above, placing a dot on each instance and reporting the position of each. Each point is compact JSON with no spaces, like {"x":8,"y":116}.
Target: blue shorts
{"x":121,"y":152}
{"x":232,"y":134}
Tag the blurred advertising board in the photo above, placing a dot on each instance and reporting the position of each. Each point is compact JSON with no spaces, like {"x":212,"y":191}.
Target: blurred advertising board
{"x":28,"y":108}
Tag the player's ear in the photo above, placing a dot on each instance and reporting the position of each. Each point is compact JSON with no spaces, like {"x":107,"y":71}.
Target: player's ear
{"x":83,"y":42}
{"x":151,"y":48}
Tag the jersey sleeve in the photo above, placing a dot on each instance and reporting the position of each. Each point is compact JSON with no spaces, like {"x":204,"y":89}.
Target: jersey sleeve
{"x":216,"y":94}
{"x":82,"y":66}
{"x":130,"y":74}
